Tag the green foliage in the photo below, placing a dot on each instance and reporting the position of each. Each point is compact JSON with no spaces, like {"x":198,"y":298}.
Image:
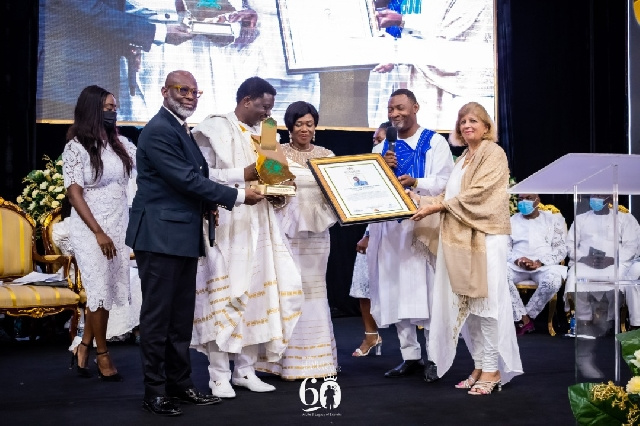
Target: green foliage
{"x":608,"y":404}
{"x":600,"y":404}
{"x":630,"y":343}
{"x":513,"y":198}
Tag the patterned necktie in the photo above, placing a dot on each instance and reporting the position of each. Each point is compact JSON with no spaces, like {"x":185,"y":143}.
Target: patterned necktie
{"x":186,"y":127}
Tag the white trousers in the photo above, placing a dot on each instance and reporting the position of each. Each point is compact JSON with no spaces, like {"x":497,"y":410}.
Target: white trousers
{"x":595,"y":302}
{"x":548,"y":282}
{"x":219,"y":368}
{"x":483,"y":332}
{"x":632,"y":295}
{"x":408,"y":337}
{"x":587,"y":300}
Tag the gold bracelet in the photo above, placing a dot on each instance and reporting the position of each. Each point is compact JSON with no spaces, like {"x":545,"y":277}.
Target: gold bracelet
{"x":415,"y":183}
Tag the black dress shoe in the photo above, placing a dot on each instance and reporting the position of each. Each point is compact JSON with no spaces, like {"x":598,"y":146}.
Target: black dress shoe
{"x":193,"y":396}
{"x":161,"y":405}
{"x":407,"y":367}
{"x":430,"y":372}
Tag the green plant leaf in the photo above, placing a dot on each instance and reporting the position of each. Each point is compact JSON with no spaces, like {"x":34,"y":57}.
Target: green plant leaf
{"x":630,"y":343}
{"x":589,"y":412}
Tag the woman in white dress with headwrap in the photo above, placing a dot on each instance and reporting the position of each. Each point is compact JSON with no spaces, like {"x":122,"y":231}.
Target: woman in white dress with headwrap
{"x":306,"y":218}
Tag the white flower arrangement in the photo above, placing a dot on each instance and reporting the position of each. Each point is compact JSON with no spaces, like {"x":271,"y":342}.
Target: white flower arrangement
{"x":44,"y":190}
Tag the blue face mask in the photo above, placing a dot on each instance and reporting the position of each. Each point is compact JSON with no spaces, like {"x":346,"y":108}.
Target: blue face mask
{"x":596,"y":204}
{"x":525,"y":207}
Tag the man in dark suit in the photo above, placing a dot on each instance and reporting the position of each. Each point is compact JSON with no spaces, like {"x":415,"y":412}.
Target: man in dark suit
{"x":165,"y":232}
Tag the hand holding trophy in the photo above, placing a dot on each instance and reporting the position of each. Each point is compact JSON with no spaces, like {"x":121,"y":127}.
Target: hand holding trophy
{"x":271,"y":164}
{"x":207,"y":17}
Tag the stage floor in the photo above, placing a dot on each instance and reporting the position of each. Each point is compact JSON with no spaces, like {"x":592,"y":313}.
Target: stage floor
{"x":39,"y":389}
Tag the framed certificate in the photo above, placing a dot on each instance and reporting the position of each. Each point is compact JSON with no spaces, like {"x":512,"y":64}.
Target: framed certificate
{"x":361,"y":188}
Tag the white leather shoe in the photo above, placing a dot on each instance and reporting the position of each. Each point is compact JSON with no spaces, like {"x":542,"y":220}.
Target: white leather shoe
{"x":222,"y":389}
{"x":253,"y":383}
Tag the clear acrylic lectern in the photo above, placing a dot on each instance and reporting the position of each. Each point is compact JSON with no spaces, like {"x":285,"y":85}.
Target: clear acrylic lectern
{"x":597,"y":292}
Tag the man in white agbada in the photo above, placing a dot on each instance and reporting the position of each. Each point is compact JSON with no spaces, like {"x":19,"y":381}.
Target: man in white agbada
{"x":249,"y":291}
{"x":594,"y":260}
{"x":537,"y":245}
{"x":595,"y":256}
{"x":400,"y":277}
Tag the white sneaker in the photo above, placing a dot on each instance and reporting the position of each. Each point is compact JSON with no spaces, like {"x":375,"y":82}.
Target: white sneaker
{"x":222,"y":389}
{"x":253,"y":383}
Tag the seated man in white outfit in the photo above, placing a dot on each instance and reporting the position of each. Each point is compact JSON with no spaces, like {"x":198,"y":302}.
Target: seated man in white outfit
{"x":537,"y":246}
{"x":594,"y":261}
{"x":595,"y":246}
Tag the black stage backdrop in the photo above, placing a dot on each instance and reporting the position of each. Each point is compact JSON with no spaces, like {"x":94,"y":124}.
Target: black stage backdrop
{"x":561,"y":80}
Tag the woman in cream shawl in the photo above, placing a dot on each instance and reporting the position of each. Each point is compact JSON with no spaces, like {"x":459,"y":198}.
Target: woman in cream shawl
{"x":471,"y":295}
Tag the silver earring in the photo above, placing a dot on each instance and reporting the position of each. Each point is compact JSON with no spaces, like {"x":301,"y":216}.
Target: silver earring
{"x":313,"y":137}
{"x":290,"y":137}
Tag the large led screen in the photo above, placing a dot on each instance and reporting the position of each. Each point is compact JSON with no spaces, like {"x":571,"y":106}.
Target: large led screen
{"x":344,"y":56}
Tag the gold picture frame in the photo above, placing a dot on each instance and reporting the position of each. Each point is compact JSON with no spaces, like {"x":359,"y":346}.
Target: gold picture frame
{"x":361,"y":189}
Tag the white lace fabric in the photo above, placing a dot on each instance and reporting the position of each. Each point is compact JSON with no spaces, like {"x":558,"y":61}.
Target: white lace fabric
{"x":106,"y":281}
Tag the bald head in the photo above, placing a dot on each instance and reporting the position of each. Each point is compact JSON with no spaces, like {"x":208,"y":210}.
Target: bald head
{"x":178,"y":75}
{"x":178,"y":92}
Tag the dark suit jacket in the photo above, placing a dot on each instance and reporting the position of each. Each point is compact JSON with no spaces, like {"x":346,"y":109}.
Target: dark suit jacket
{"x":173,"y":191}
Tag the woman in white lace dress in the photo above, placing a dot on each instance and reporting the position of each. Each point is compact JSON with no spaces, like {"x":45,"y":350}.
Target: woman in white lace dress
{"x":306,"y":219}
{"x":122,"y":319}
{"x":97,"y":166}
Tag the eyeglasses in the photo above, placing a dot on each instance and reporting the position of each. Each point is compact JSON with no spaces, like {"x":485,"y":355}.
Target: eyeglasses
{"x":185,"y":90}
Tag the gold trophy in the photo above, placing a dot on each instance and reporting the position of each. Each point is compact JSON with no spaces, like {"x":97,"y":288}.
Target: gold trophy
{"x":271,"y":164}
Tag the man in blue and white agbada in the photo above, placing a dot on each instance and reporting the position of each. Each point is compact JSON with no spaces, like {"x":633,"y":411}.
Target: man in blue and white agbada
{"x":400,"y":276}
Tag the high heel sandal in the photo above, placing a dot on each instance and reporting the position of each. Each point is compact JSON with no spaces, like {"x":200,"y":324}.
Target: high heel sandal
{"x":485,"y":387}
{"x":83,"y":372}
{"x":378,"y":345}
{"x":112,"y":378}
{"x":466,"y":383}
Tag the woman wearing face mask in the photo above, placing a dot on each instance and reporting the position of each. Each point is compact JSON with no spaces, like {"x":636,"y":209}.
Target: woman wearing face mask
{"x":311,"y":350}
{"x":97,"y":166}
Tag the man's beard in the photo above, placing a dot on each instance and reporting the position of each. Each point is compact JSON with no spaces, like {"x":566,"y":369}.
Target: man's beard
{"x":178,"y":109}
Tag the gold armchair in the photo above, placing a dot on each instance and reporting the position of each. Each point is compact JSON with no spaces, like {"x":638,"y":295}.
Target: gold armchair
{"x":530,"y":285}
{"x":50,"y":248}
{"x":18,"y":256}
